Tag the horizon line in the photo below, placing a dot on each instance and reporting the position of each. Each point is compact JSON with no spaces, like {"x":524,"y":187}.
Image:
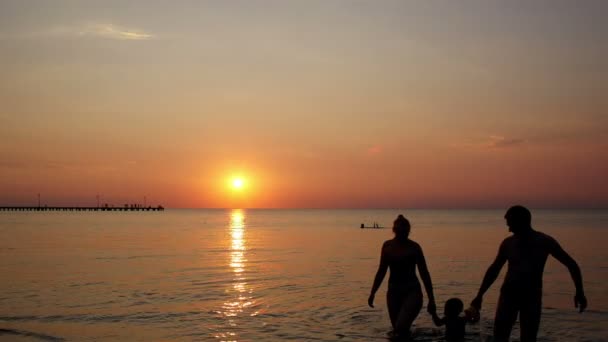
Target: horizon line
{"x":383,"y":208}
{"x":574,"y":207}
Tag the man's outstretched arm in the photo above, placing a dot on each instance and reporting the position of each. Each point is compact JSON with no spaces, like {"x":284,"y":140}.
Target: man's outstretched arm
{"x":575,"y":272}
{"x":490,"y":276}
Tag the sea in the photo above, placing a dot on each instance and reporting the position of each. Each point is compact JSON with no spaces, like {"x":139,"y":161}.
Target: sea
{"x":269,"y":275}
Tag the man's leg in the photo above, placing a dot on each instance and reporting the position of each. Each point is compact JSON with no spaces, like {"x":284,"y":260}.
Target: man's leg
{"x":506,"y":314}
{"x":529,"y":317}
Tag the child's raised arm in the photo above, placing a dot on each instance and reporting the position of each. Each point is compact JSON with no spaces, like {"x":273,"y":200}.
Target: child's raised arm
{"x":471,"y":315}
{"x":438,"y":321}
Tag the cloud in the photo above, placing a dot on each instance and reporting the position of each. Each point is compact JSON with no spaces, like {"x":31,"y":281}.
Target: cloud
{"x":373,"y":150}
{"x":492,"y":142}
{"x":56,"y":165}
{"x":111,"y":31}
{"x":89,"y":30}
{"x":502,"y":142}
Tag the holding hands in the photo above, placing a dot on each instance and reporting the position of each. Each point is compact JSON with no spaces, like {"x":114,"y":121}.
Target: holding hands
{"x":476,"y":303}
{"x":472,"y":314}
{"x":431,"y":307}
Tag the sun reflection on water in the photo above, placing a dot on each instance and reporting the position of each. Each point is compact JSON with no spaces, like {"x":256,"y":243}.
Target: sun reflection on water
{"x":240,"y":292}
{"x":237,"y":232}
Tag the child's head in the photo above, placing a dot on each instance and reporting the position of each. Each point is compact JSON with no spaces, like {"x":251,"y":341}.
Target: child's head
{"x":453,"y":307}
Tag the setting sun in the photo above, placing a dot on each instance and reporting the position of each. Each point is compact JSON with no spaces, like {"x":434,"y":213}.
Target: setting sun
{"x":238,"y":183}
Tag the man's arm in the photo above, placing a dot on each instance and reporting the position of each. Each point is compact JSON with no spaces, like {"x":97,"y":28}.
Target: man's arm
{"x":382,"y":268}
{"x":426,"y":280}
{"x":491,"y":275}
{"x":575,"y":272}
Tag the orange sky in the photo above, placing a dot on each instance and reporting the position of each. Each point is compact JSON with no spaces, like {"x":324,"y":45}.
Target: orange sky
{"x":341,"y":104}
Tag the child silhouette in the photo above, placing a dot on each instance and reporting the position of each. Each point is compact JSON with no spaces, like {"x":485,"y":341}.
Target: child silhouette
{"x":454,"y":323}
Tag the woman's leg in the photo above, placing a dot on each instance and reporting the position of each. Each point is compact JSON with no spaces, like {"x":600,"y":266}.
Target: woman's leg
{"x":410,"y":308}
{"x":394,"y":299}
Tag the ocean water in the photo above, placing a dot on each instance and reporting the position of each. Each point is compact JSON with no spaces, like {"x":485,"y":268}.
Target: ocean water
{"x":267,"y":275}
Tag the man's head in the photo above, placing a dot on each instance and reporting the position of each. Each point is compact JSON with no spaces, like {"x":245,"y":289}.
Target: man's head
{"x":519,"y":219}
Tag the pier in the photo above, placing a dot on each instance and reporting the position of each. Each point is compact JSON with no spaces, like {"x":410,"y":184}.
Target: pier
{"x":125,"y":208}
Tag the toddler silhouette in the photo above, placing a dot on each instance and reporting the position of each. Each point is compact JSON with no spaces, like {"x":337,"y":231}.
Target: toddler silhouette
{"x":453,"y":321}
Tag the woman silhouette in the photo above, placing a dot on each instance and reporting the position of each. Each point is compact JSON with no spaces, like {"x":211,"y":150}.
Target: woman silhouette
{"x":404,"y":296}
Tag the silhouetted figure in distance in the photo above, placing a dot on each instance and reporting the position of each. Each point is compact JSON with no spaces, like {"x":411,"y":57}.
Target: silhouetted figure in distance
{"x":453,"y":321}
{"x":404,"y":297}
{"x":526,"y":252}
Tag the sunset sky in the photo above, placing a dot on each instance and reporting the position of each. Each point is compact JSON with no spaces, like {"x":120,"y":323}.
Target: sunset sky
{"x":311,"y":103}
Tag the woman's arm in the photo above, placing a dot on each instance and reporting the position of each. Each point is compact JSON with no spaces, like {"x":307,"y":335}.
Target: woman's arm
{"x":382,"y":268}
{"x":426,"y":280}
{"x":438,"y":321}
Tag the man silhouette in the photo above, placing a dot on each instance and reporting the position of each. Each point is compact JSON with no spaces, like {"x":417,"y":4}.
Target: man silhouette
{"x":526,"y":251}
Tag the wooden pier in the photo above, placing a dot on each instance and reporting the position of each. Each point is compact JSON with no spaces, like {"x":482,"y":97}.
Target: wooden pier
{"x":138,"y":208}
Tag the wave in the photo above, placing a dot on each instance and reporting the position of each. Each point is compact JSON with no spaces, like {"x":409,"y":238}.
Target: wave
{"x":24,"y":333}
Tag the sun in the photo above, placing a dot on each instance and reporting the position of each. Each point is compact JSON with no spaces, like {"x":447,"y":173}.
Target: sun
{"x":238,"y":183}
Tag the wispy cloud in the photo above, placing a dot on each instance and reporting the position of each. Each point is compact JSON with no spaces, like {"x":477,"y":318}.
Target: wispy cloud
{"x":111,"y":31}
{"x":493,"y":142}
{"x":373,"y":150}
{"x":502,"y":142}
{"x":20,"y":163}
{"x":88,"y":30}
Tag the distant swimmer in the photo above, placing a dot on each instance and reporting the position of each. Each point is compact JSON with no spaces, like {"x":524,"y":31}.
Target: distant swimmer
{"x":526,"y":252}
{"x":404,"y":297}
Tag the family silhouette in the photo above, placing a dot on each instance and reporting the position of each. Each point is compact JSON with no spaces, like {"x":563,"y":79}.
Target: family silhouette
{"x":525,"y":252}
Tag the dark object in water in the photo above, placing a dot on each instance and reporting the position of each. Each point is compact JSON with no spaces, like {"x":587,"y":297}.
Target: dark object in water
{"x":375,"y":226}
